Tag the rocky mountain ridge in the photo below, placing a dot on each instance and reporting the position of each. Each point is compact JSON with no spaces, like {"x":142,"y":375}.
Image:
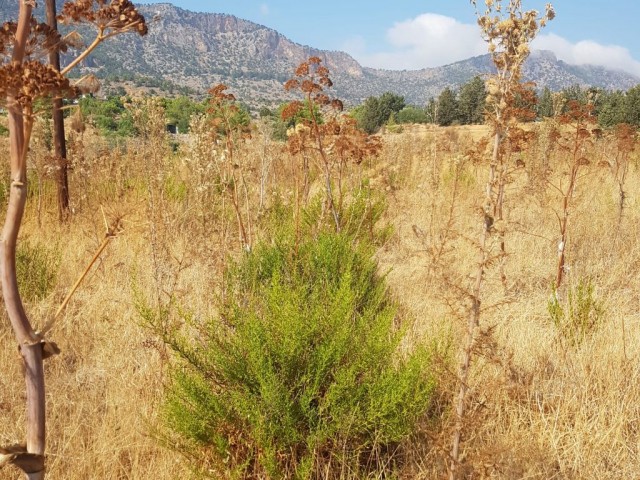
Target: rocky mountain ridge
{"x":201,"y":49}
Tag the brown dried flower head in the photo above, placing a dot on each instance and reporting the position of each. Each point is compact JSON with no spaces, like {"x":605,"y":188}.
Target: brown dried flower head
{"x":311,"y":78}
{"x":291,"y":84}
{"x":221,"y":104}
{"x":292,"y":109}
{"x":218,"y":93}
{"x":88,"y":84}
{"x":7,"y":33}
{"x":117,"y":16}
{"x":30,"y":80}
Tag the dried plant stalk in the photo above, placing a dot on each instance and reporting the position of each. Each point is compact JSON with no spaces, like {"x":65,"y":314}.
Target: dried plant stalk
{"x":508,"y":33}
{"x":23,"y":79}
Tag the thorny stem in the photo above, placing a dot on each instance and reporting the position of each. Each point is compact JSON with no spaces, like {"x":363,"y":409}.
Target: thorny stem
{"x":509,"y":63}
{"x":566,"y":201}
{"x":472,"y":325}
{"x":246,"y":242}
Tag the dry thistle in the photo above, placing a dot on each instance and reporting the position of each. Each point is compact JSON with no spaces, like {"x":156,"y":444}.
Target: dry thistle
{"x":625,"y":136}
{"x":508,"y":32}
{"x":572,"y":140}
{"x":227,"y":121}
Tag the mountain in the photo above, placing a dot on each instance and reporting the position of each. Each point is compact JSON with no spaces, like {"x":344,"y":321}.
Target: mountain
{"x":198,"y":50}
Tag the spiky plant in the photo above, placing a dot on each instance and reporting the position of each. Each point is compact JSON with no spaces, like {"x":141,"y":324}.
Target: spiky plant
{"x":508,"y":31}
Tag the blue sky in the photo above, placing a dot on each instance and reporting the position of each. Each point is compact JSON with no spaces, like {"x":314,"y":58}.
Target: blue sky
{"x":427,"y":33}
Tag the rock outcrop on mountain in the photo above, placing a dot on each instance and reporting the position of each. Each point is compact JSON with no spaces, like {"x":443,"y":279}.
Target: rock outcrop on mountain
{"x":197,"y":50}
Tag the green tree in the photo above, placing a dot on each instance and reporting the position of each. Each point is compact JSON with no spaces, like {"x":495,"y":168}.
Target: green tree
{"x":367,"y":115}
{"x":544,"y":108}
{"x":391,"y":103}
{"x":632,"y":106}
{"x":612,"y":109}
{"x":302,"y":372}
{"x":179,"y":111}
{"x":375,"y":111}
{"x":471,"y":102}
{"x":447,"y":113}
{"x":575,"y":93}
{"x":412,"y":114}
{"x":109,"y":116}
{"x":265,"y":112}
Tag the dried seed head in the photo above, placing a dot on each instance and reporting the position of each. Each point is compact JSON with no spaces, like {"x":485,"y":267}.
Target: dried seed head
{"x":302,"y":70}
{"x":74,"y":40}
{"x":118,"y":16}
{"x":292,"y":109}
{"x":30,"y":80}
{"x":88,"y":84}
{"x":291,"y":84}
{"x":219,"y":95}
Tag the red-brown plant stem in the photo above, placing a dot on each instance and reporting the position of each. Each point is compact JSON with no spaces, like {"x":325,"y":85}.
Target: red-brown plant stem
{"x":20,"y":124}
{"x":325,"y":164}
{"x":246,"y":241}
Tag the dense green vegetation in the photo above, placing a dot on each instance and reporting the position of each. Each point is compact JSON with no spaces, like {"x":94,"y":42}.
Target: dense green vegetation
{"x":376,"y":111}
{"x":452,"y":107}
{"x":179,"y":111}
{"x":302,"y":371}
{"x":109,"y":116}
{"x":466,"y":106}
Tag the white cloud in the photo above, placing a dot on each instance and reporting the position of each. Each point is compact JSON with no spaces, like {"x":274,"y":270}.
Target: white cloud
{"x":432,"y":40}
{"x":429,"y":40}
{"x":588,"y":52}
{"x":264,"y":9}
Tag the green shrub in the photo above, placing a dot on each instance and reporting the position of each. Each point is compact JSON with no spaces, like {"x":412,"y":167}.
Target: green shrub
{"x":37,"y":269}
{"x":579,"y":316}
{"x":360,"y":218}
{"x":362,"y":214}
{"x":301,"y":376}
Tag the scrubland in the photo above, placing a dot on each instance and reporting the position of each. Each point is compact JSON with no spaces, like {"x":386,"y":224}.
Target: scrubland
{"x":552,"y":395}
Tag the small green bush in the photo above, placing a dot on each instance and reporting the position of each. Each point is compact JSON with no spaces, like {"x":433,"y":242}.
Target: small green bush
{"x":362,"y":214}
{"x":37,"y":270}
{"x":360,"y":218}
{"x":301,"y":376}
{"x":579,"y":316}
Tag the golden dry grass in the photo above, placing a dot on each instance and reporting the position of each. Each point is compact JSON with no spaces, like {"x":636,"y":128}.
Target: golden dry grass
{"x":541,"y":409}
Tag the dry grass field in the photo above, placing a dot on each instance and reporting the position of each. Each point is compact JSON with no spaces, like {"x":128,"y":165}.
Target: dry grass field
{"x":542,"y":404}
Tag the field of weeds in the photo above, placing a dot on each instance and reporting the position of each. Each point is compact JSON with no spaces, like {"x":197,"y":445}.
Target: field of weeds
{"x":552,"y":393}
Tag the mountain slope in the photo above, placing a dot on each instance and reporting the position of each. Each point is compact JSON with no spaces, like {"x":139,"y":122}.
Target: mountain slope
{"x":200,"y":49}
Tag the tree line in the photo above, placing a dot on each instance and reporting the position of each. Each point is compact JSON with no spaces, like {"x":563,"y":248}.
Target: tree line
{"x":463,"y":106}
{"x":466,"y":106}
